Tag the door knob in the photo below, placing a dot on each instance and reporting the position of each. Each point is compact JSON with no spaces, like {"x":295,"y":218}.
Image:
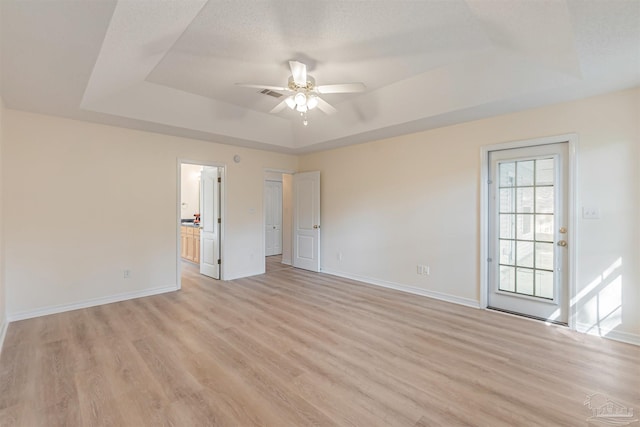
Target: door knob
{"x":562,"y":243}
{"x":316,"y":226}
{"x":274,"y":227}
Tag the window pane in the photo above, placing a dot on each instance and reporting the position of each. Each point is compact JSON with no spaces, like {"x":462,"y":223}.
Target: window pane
{"x":544,"y":256}
{"x":507,"y":226}
{"x":524,"y":200}
{"x":524,"y":172}
{"x":544,"y":228}
{"x":507,"y":252}
{"x":525,"y":254}
{"x":525,"y":227}
{"x":544,"y":172}
{"x":507,"y":174}
{"x":525,"y":281}
{"x":544,"y":284}
{"x":507,"y":279}
{"x":544,"y":199}
{"x":507,"y":200}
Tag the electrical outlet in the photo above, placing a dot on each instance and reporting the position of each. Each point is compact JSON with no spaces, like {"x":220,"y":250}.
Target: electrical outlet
{"x":127,"y":274}
{"x":423,"y":270}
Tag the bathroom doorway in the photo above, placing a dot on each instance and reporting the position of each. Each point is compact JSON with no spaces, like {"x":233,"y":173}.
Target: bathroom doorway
{"x":200,"y":219}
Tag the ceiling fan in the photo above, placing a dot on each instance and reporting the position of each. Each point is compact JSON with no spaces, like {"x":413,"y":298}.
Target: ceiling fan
{"x":304,"y":94}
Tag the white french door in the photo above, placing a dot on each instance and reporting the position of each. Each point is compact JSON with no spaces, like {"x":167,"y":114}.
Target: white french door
{"x":528,"y":250}
{"x":210,"y":222}
{"x":306,"y":220}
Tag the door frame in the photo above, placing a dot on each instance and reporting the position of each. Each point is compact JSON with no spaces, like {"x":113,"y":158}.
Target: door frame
{"x":223,"y":206}
{"x":572,"y":140}
{"x":266,"y":171}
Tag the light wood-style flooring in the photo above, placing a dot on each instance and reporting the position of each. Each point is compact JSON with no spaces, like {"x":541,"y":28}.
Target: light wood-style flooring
{"x":294,"y":348}
{"x":274,"y":263}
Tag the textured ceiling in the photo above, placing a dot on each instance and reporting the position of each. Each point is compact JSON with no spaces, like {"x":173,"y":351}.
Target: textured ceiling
{"x":171,"y":66}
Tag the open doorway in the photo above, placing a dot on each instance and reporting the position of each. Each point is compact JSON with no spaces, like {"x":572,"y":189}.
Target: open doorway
{"x":200,"y":214}
{"x":278,"y":218}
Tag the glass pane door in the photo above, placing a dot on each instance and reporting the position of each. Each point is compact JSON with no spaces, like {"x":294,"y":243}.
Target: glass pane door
{"x":527,"y":231}
{"x":526,"y":208}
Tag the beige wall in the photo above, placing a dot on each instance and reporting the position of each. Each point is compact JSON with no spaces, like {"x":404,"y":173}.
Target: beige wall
{"x":3,"y":319}
{"x":84,"y":202}
{"x":392,"y":204}
{"x":3,"y":301}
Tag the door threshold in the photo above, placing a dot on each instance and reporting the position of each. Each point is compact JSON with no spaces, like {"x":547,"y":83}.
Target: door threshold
{"x":528,"y":316}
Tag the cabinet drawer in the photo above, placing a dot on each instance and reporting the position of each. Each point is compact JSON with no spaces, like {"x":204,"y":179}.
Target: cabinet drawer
{"x":190,"y":230}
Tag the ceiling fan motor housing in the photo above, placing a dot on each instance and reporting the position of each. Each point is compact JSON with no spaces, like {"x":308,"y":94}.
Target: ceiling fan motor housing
{"x":311,"y":84}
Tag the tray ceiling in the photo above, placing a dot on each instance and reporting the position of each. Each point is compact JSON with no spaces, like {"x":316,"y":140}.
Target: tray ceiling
{"x":170,"y":67}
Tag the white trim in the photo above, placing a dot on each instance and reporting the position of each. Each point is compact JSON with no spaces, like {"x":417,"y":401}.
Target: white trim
{"x":44,"y":311}
{"x":572,"y":140}
{"x":223,"y":213}
{"x":621,"y":336}
{"x":3,"y":332}
{"x":404,"y":288}
{"x":572,"y":236}
{"x":287,"y":171}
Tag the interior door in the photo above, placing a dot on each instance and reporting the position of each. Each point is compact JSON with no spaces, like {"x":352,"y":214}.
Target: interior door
{"x":528,"y":261}
{"x":273,"y":217}
{"x":306,"y":220}
{"x":209,"y":222}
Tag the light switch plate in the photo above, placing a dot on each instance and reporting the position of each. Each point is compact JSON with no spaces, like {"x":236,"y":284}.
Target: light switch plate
{"x":590,"y":212}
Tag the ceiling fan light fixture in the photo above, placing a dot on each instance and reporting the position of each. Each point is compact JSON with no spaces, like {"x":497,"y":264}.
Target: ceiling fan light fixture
{"x":300,"y":99}
{"x":302,"y":108}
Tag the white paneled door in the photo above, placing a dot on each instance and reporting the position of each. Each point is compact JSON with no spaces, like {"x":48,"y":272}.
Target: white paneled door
{"x":210,"y":222}
{"x":528,"y":236}
{"x":273,"y":217}
{"x":306,"y":220}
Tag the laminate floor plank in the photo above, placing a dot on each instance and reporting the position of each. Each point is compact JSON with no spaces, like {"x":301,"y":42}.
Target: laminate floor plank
{"x":294,"y":348}
{"x":97,"y":402}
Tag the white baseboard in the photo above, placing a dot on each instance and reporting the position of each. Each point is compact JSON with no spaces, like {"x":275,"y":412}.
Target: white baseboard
{"x":28,"y":314}
{"x":3,"y":332}
{"x":409,"y":289}
{"x":621,"y":336}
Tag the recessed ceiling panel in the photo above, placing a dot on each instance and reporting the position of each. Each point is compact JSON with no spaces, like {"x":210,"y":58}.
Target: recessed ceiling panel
{"x":377,"y":43}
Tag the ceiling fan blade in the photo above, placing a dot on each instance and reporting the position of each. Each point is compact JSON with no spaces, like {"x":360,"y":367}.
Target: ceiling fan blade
{"x":342,"y":88}
{"x":257,"y":86}
{"x":299,"y":72}
{"x":325,"y":107}
{"x":279,"y":107}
